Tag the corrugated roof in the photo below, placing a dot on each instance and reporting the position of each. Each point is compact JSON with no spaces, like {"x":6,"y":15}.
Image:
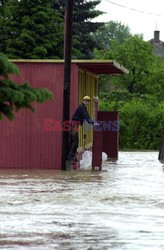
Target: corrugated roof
{"x":95,"y":66}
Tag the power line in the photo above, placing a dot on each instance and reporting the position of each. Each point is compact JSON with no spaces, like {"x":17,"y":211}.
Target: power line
{"x":143,"y":12}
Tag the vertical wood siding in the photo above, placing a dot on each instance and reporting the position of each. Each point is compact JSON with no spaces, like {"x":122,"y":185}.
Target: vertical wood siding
{"x":24,"y":144}
{"x":88,"y":85}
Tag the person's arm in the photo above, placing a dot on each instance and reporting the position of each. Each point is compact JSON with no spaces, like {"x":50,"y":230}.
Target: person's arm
{"x":86,"y":116}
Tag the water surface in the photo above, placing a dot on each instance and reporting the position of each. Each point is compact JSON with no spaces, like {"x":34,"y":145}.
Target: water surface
{"x":121,"y":207}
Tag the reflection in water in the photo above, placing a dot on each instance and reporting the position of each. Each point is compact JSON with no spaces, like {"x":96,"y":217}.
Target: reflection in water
{"x":121,"y":207}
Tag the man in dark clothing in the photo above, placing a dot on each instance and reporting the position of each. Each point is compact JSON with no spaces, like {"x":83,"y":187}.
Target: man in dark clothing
{"x":80,"y":115}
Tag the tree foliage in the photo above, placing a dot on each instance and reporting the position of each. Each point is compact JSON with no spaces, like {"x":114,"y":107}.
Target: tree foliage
{"x":141,"y":118}
{"x":83,"y":26}
{"x":109,"y":31}
{"x":31,"y":29}
{"x":146,"y":70}
{"x":141,"y":125}
{"x":35,"y":29}
{"x":138,"y":95}
{"x":13,"y":96}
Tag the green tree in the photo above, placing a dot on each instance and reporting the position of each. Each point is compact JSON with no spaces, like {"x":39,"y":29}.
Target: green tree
{"x":110,"y":31}
{"x":13,"y":96}
{"x":141,"y":125}
{"x":83,"y":26}
{"x":146,"y":70}
{"x":154,"y":82}
{"x":2,"y":3}
{"x":2,"y":19}
{"x":32,"y":29}
{"x":139,"y":95}
{"x":141,"y":118}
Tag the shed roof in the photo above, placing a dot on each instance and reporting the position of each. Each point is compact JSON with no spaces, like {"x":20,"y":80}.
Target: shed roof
{"x":102,"y":67}
{"x":95,"y":66}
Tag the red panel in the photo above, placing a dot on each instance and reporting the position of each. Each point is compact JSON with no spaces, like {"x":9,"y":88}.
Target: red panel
{"x":111,"y":133}
{"x":74,"y":89}
{"x":46,"y":145}
{"x":97,"y":149}
{"x":15,"y":139}
{"x":24,"y":144}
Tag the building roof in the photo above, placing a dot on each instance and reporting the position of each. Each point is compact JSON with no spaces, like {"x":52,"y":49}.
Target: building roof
{"x":102,"y":67}
{"x":158,"y":45}
{"x":95,"y":66}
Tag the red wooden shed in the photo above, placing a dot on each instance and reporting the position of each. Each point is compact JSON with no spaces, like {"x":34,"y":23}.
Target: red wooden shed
{"x":24,"y":141}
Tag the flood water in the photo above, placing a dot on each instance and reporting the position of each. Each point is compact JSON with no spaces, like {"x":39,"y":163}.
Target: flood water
{"x":121,"y":207}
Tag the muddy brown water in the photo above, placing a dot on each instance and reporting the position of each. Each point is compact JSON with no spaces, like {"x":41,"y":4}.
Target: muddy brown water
{"x":121,"y":207}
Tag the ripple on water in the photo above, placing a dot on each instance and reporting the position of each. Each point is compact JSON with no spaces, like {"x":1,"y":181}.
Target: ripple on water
{"x":118,"y":208}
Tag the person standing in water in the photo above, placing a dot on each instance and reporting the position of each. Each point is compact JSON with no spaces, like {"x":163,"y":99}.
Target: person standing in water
{"x":81,"y":114}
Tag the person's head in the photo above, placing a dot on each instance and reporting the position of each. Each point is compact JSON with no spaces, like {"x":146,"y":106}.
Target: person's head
{"x":86,"y":100}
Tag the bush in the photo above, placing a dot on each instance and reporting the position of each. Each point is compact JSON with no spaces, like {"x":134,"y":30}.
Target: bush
{"x":141,"y":120}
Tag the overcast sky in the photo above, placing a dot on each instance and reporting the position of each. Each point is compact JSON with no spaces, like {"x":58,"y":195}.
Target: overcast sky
{"x":138,"y":20}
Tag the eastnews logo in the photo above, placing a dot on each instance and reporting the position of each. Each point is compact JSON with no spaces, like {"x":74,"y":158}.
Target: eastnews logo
{"x":51,"y":125}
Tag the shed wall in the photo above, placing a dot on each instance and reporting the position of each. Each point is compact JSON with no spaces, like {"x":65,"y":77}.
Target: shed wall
{"x":24,"y":144}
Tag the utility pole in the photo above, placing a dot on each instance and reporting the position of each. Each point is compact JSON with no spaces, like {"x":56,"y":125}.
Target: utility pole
{"x":161,"y":149}
{"x":67,"y":77}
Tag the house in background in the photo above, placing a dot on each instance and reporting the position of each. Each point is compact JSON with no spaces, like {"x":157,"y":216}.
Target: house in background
{"x":157,"y":43}
{"x":25,"y":144}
